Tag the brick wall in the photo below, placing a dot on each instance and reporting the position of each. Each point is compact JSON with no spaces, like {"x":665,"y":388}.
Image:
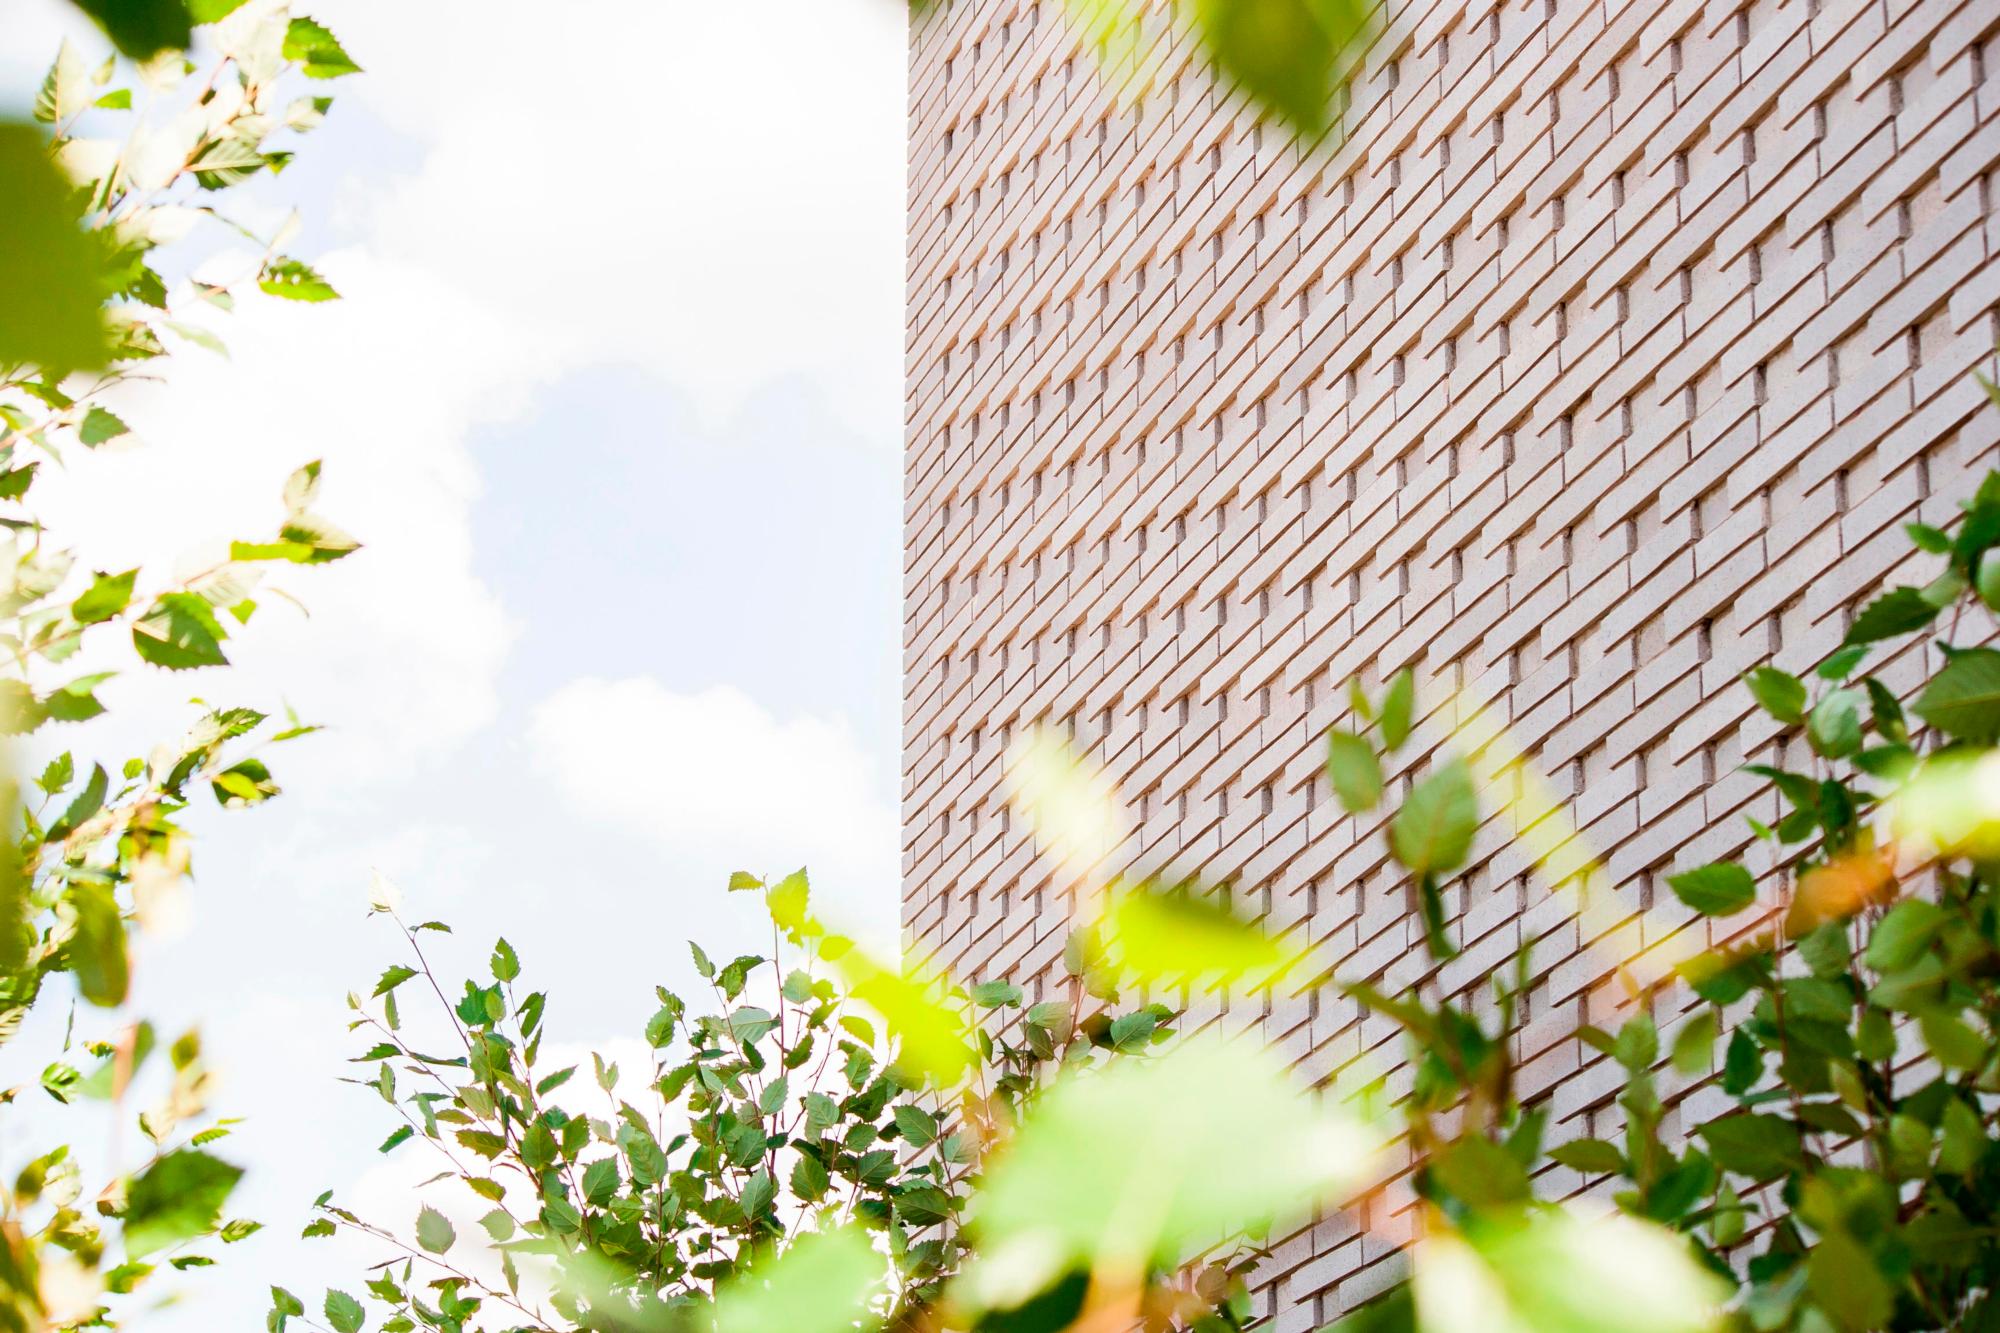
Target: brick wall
{"x":1601,"y":361}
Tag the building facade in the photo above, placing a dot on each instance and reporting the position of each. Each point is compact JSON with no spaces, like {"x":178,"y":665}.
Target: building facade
{"x":1602,"y":359}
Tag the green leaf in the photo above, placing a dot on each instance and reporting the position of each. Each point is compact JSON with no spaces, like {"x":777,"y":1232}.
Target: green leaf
{"x":107,"y":596}
{"x":600,"y":1181}
{"x":918,"y":1126}
{"x":51,"y":273}
{"x":434,"y":1231}
{"x":786,"y":901}
{"x":1721,"y":888}
{"x":996,"y":994}
{"x":293,"y":280}
{"x":1287,"y":56}
{"x":1432,"y":833}
{"x":1834,"y":728}
{"x":1399,"y":703}
{"x":506,"y":964}
{"x":1952,"y":1040}
{"x":392,"y":977}
{"x":1841,"y":663}
{"x":179,"y":633}
{"x":1480,"y":1173}
{"x":1779,"y":693}
{"x":1903,"y":934}
{"x":141,"y":29}
{"x":100,"y":426}
{"x":1593,"y":1157}
{"x":343,"y":1313}
{"x":1987,"y":583}
{"x":1638,"y":1043}
{"x":809,"y":1180}
{"x":318,"y":52}
{"x":1930,"y":540}
{"x":246,"y":782}
{"x":180,"y":1196}
{"x":1143,"y":1157}
{"x":1742,"y":1064}
{"x":821,"y":1284}
{"x":96,"y":951}
{"x":1963,"y":699}
{"x":1355,"y":771}
{"x":65,"y":88}
{"x":1902,"y":610}
{"x":1756,"y":1146}
{"x":1159,"y":935}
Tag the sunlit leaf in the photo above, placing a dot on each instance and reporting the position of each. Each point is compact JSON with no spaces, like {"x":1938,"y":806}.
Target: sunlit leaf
{"x":1113,"y":1169}
{"x":1558,"y":1272}
{"x":318,"y":51}
{"x":1171,"y":934}
{"x":821,"y":1284}
{"x":48,"y":268}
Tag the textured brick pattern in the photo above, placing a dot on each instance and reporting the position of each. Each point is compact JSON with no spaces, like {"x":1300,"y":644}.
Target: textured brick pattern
{"x":1601,"y":361}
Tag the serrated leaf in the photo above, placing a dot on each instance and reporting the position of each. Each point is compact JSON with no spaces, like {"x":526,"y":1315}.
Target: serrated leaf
{"x":317,"y":50}
{"x":343,"y":1313}
{"x":294,"y":280}
{"x":434,"y":1230}
{"x":1902,"y":610}
{"x":180,"y":633}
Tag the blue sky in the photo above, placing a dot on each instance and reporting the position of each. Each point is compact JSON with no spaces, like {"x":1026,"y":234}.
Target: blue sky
{"x":614,"y":401}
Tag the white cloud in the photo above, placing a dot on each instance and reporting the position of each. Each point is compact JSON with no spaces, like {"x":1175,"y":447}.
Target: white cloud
{"x":404,"y":640}
{"x":713,"y":192}
{"x":719,"y":783}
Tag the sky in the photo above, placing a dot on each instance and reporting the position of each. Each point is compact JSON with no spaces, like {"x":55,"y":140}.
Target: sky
{"x":613,"y":401}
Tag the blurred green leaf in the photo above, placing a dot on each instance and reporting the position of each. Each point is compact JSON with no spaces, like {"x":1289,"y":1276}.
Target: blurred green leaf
{"x":821,"y":1284}
{"x":1719,"y":889}
{"x":293,"y":280}
{"x":1127,"y":1165}
{"x":1432,"y":833}
{"x":142,"y":29}
{"x":52,"y":316}
{"x":1963,"y":699}
{"x":1161,"y":935}
{"x":177,"y":1198}
{"x":1556,"y":1272}
{"x":1779,"y":693}
{"x":1399,"y":704}
{"x":1355,"y":771}
{"x":1834,"y":726}
{"x":1288,"y":56}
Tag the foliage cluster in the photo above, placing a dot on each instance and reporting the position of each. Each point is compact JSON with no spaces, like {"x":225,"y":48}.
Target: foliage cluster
{"x":96,"y":849}
{"x":1830,"y":1166}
